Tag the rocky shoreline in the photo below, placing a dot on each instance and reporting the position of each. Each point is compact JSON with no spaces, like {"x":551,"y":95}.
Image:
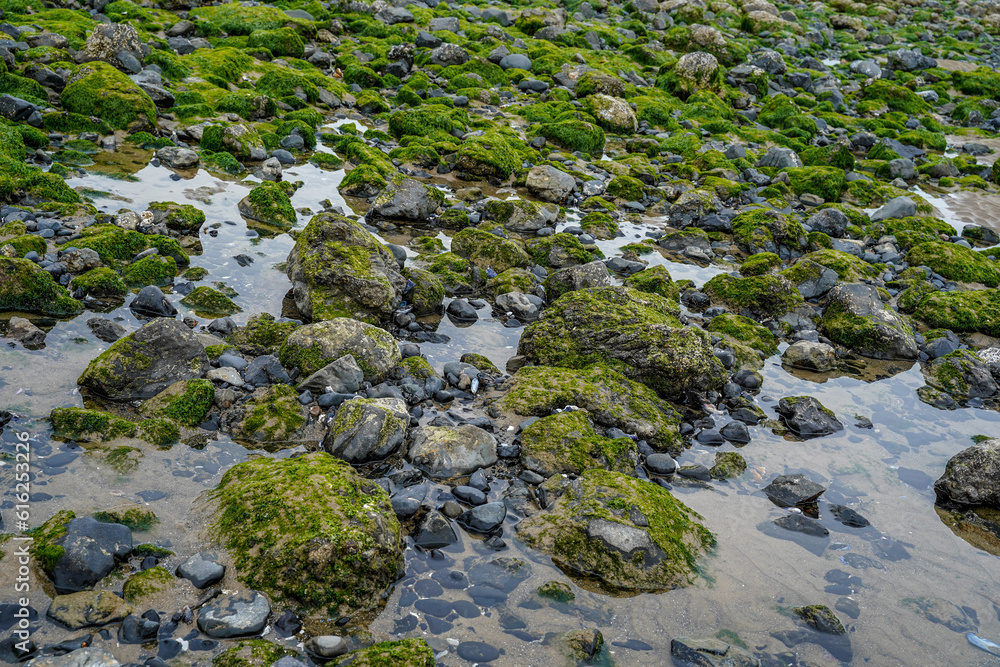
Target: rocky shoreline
{"x":545,"y":167}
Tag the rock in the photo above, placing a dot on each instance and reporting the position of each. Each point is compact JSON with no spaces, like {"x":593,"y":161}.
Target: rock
{"x":810,"y":278}
{"x":613,"y":114}
{"x":695,"y":71}
{"x":88,"y":608}
{"x":581,"y":276}
{"x":435,"y":532}
{"x":225,"y":375}
{"x":449,"y":54}
{"x":728,"y":464}
{"x":81,"y":657}
{"x":265,"y":370}
{"x":334,"y":541}
{"x":234,"y":615}
{"x":342,"y":376}
{"x":856,"y":318}
{"x":829,"y":221}
{"x":268,"y":208}
{"x":525,"y":307}
{"x":484,"y":518}
{"x":810,"y":356}
{"x":452,"y":451}
{"x":127,"y":370}
{"x":489,"y":251}
{"x":566,"y":443}
{"x":326,"y":646}
{"x":661,"y":464}
{"x":779,"y":158}
{"x":313,"y":346}
{"x":202,"y":569}
{"x":272,"y":417}
{"x":338,"y":269}
{"x":15,"y":109}
{"x":462,"y":311}
{"x":611,"y":400}
{"x":635,"y":331}
{"x":909,"y":61}
{"x":178,"y":158}
{"x":151,"y":302}
{"x":26,"y":287}
{"x":26,"y":333}
{"x":80,"y":260}
{"x":114,"y":43}
{"x":367,"y":429}
{"x":900,"y":207}
{"x":398,"y":653}
{"x":630,"y":550}
{"x":793,"y":490}
{"x":84,"y":554}
{"x":98,"y":89}
{"x":807,"y":417}
{"x":710,"y":652}
{"x":549,"y":184}
{"x":522,"y":216}
{"x":972,"y":477}
{"x":516,"y":61}
{"x":105,"y":329}
{"x":962,"y":375}
{"x":409,"y":200}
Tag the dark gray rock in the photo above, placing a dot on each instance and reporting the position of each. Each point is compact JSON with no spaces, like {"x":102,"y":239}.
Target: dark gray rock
{"x":972,"y":477}
{"x":91,"y":550}
{"x":793,"y":490}
{"x":342,"y":376}
{"x":710,"y":652}
{"x":435,"y":532}
{"x":151,"y":302}
{"x":202,"y":569}
{"x":409,"y":200}
{"x":105,"y":329}
{"x":830,"y":221}
{"x":367,"y":429}
{"x":484,"y":518}
{"x":807,"y":417}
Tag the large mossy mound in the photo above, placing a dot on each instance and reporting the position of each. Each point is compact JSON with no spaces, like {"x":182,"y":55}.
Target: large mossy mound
{"x":625,"y":534}
{"x":26,"y":287}
{"x":309,"y":532}
{"x":98,"y":89}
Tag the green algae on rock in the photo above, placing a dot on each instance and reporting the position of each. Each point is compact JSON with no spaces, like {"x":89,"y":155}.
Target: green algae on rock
{"x":209,"y":302}
{"x":98,"y":89}
{"x":396,"y":653}
{"x":185,"y":402}
{"x":309,"y":532}
{"x":566,"y":443}
{"x":268,"y":207}
{"x":625,"y":534}
{"x":271,"y":418}
{"x":25,"y":286}
{"x":759,"y":297}
{"x":313,"y":346}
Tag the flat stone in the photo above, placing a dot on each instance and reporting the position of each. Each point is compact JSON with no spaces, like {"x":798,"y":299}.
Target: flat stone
{"x":234,"y":615}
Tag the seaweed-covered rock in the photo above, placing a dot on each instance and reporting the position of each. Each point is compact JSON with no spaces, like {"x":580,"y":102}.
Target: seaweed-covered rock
{"x":77,"y":552}
{"x":398,"y":653}
{"x":964,"y":312}
{"x":409,"y":200}
{"x":757,"y":297}
{"x":452,"y":451}
{"x":88,"y":608}
{"x":520,"y":215}
{"x":962,"y":375}
{"x":309,"y":532}
{"x":810,"y":356}
{"x":210,"y":302}
{"x":98,"y":89}
{"x":627,"y":534}
{"x":695,"y":71}
{"x":580,"y":276}
{"x":146,"y":362}
{"x":185,"y":402}
{"x":808,"y":417}
{"x":612,"y":113}
{"x":487,"y":250}
{"x":24,"y":286}
{"x":635,"y":333}
{"x":955,"y":262}
{"x":268,"y":207}
{"x":271,"y":418}
{"x":856,"y":318}
{"x":566,"y":443}
{"x":367,"y":429}
{"x":338,"y":269}
{"x":313,"y":346}
{"x":972,"y":477}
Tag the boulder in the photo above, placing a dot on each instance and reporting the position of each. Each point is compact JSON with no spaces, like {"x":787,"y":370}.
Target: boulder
{"x":962,"y":375}
{"x":338,"y":269}
{"x":314,"y":346}
{"x":452,"y":451}
{"x":549,"y":184}
{"x":623,"y":533}
{"x":613,"y":114}
{"x":76,"y":553}
{"x":807,"y":417}
{"x":177,"y":157}
{"x":271,"y":418}
{"x":146,"y":362}
{"x":409,"y":200}
{"x":268,"y":208}
{"x":856,"y":318}
{"x":488,"y":251}
{"x":26,"y":287}
{"x":152,"y":302}
{"x":566,"y":443}
{"x":695,"y":71}
{"x":829,"y":221}
{"x":234,"y":615}
{"x":98,"y":89}
{"x":26,"y":333}
{"x":793,"y":490}
{"x":972,"y":477}
{"x":811,"y":279}
{"x":900,"y":207}
{"x":520,"y":215}
{"x":115,"y":43}
{"x":202,"y":569}
{"x":334,"y":543}
{"x":710,"y":652}
{"x":581,"y":276}
{"x":341,"y":376}
{"x":367,"y":429}
{"x":635,"y":333}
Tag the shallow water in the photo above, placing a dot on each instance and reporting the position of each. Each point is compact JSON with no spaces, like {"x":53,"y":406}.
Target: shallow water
{"x":883,"y":473}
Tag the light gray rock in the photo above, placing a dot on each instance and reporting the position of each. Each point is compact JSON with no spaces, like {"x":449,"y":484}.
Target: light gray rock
{"x":82,"y":657}
{"x":549,"y":184}
{"x":810,"y":356}
{"x":234,"y":615}
{"x":342,"y":376}
{"x":367,"y":429}
{"x":450,"y":451}
{"x":202,"y":569}
{"x":177,"y":157}
{"x":900,"y":207}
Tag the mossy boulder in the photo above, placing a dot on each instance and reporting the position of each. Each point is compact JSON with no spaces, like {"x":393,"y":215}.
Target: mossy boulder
{"x":962,"y":312}
{"x":150,"y":270}
{"x":758,"y":297}
{"x":338,"y":269}
{"x":309,"y":532}
{"x":241,"y":141}
{"x":512,"y":280}
{"x":487,"y":250}
{"x":490,"y":155}
{"x":397,"y":653}
{"x":272,"y":418}
{"x":85,"y":425}
{"x":574,"y":135}
{"x":626,"y":534}
{"x":208,"y":302}
{"x":825,"y":182}
{"x":759,"y":264}
{"x":26,"y":287}
{"x":313,"y":346}
{"x":728,"y":465}
{"x":146,"y":362}
{"x":268,"y":207}
{"x":100,"y":283}
{"x":956,"y":262}
{"x":185,"y":402}
{"x":252,"y":653}
{"x":847,"y":267}
{"x":654,"y":280}
{"x":610,"y":398}
{"x":566,"y":443}
{"x":561,"y":250}
{"x":765,"y":230}
{"x":635,"y":333}
{"x":98,"y":89}
{"x":262,"y":334}
{"x":426,"y":296}
{"x":962,"y":375}
{"x":744,"y":330}
{"x":156,"y":584}
{"x":856,"y":318}
{"x":183,"y":218}
{"x":613,"y":114}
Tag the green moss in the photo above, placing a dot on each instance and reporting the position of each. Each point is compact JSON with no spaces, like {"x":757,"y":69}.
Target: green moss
{"x":825,"y":182}
{"x":654,"y":280}
{"x":744,"y":330}
{"x":281,"y":42}
{"x":728,"y":465}
{"x":208,"y":302}
{"x":24,"y":286}
{"x":560,"y":250}
{"x":146,"y":583}
{"x":112,"y":242}
{"x":962,"y":312}
{"x":574,"y":135}
{"x":599,"y":225}
{"x":894,"y":97}
{"x":489,"y":155}
{"x":848,"y":267}
{"x":185,"y":402}
{"x":43,"y":548}
{"x":274,"y":417}
{"x":262,"y":334}
{"x":144,"y":550}
{"x":27,"y":243}
{"x":252,"y":653}
{"x":98,"y":89}
{"x":270,"y":204}
{"x":158,"y":432}
{"x":150,"y":270}
{"x":764,"y":229}
{"x":300,"y":530}
{"x":626,"y":187}
{"x":89,"y":425}
{"x":487,"y":251}
{"x":397,"y":653}
{"x":762,"y":297}
{"x":417,"y":368}
{"x":955,"y":262}
{"x":181,"y":217}
{"x":567,"y":443}
{"x":136,"y":519}
{"x":760,"y":264}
